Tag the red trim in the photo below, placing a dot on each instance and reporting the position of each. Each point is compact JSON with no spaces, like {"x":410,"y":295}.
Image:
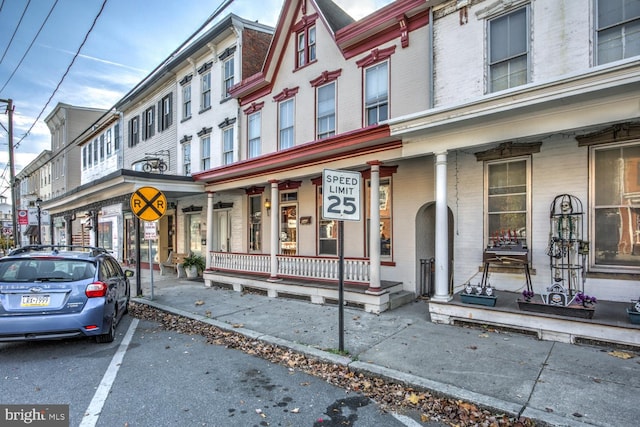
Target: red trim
{"x":286,"y":94}
{"x":305,"y":22}
{"x":289,"y":185}
{"x":376,"y":55}
{"x":252,"y":191}
{"x":385,"y":171}
{"x":326,"y":77}
{"x":361,"y":141}
{"x":255,"y":106}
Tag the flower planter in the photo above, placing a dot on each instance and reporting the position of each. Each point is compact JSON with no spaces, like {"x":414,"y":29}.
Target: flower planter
{"x":634,"y":316}
{"x":560,"y":310}
{"x":489,"y":301}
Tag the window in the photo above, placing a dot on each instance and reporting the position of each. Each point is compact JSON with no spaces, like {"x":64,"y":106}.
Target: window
{"x":327,"y":231}
{"x":285,"y":124}
{"x":186,"y":102}
{"x":615,"y":215}
{"x":109,"y":143}
{"x":306,"y":48}
{"x":116,"y":139}
{"x":102,"y":148}
{"x":205,"y":101}
{"x":90,"y":154}
{"x":186,"y":157}
{"x":95,"y":151}
{"x":165,"y":113}
{"x":377,"y":93}
{"x":84,"y":157}
{"x":509,"y":50}
{"x":255,"y":222}
{"x":386,"y":230}
{"x":228,"y":76}
{"x":147,"y":123}
{"x":205,"y":149}
{"x":618,"y":30}
{"x":507,"y":200}
{"x":254,"y":134}
{"x":326,"y":111}
{"x":227,"y":146}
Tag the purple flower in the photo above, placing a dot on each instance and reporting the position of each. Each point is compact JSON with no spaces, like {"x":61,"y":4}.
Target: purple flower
{"x":527,"y":295}
{"x":582,"y":298}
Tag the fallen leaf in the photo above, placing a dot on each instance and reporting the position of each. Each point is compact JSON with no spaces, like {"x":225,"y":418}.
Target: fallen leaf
{"x":620,"y":354}
{"x":413,"y":398}
{"x":483,"y":336}
{"x":577,"y":414}
{"x":199,"y":302}
{"x":295,"y":410}
{"x":238,"y":325}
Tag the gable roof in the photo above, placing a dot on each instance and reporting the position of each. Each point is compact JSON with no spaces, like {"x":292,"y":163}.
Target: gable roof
{"x":351,"y":37}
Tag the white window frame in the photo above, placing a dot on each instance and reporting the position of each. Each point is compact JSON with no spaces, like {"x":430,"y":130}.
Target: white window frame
{"x":376,"y":97}
{"x":205,"y":150}
{"x":487,"y":165}
{"x":227,"y":145}
{"x":205,"y":98}
{"x":186,"y":101}
{"x":286,"y":124}
{"x":254,"y":134}
{"x":228,"y":75}
{"x":510,"y":59}
{"x":615,"y":35}
{"x":186,"y":157}
{"x":323,"y":114}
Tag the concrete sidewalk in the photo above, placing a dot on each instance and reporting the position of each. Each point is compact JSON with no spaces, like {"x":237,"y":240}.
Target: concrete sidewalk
{"x":550,"y":382}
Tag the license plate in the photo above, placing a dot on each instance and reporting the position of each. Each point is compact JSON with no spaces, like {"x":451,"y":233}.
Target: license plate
{"x":35,"y":300}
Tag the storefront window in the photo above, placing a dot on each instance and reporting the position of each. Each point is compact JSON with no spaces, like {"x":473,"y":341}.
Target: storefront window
{"x":193,"y":225}
{"x":616,"y":208}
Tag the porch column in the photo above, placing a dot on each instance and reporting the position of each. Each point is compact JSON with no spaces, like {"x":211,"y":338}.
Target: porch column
{"x":374,"y":230}
{"x":210,"y":227}
{"x":275,"y":235}
{"x":442,"y":231}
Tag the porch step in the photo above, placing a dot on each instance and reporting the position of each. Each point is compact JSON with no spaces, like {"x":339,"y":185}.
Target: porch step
{"x":398,"y":299}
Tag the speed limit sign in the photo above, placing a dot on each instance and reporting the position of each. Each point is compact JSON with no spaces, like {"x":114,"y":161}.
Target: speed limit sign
{"x":341,"y":195}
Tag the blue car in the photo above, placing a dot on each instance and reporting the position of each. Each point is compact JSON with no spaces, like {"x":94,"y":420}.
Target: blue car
{"x":54,"y":292}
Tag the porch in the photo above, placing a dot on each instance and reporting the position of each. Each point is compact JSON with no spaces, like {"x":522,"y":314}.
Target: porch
{"x":609,"y":325}
{"x":315,"y":279}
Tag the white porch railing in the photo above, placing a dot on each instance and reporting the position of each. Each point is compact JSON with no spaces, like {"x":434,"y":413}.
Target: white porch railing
{"x":305,"y":267}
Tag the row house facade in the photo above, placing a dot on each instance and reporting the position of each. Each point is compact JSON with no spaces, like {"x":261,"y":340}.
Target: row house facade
{"x":466,"y":120}
{"x":144,"y":140}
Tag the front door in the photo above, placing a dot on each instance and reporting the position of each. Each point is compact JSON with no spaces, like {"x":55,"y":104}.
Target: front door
{"x":222,"y":231}
{"x":288,"y":229}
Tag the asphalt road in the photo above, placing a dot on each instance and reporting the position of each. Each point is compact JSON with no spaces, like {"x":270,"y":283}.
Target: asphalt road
{"x":152,"y":377}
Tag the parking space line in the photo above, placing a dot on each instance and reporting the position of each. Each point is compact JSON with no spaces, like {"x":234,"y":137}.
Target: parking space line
{"x":92,"y":413}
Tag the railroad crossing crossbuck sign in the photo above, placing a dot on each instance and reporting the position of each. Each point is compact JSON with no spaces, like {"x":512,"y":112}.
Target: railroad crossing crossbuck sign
{"x":148,"y":203}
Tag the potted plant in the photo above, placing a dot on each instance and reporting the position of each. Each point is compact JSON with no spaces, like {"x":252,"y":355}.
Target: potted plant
{"x":193,"y":265}
{"x":634,"y":311}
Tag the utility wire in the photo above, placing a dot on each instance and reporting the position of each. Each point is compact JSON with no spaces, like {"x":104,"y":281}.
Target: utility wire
{"x":30,"y":46}
{"x":16,"y":30}
{"x":65,"y":73}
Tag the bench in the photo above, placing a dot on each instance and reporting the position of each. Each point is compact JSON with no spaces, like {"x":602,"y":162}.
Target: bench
{"x":174,"y":262}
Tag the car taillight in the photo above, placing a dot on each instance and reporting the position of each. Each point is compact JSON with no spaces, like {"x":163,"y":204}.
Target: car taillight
{"x":96,"y":289}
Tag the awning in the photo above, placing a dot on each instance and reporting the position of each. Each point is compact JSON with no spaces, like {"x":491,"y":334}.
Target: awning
{"x":32,"y":230}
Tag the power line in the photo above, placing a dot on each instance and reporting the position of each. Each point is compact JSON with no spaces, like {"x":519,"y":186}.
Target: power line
{"x":30,"y":46}
{"x":16,"y":30}
{"x":65,"y":73}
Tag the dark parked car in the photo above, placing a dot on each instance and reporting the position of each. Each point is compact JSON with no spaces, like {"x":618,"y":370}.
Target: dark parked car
{"x":52,"y":292}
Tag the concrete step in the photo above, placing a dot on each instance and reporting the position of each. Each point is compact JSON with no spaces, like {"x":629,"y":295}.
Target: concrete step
{"x":398,"y":299}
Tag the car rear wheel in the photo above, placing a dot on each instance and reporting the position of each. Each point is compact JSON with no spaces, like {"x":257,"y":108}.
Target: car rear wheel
{"x":111,"y":334}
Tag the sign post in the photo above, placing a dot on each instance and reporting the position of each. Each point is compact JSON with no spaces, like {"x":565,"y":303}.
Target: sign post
{"x":148,"y":204}
{"x":341,"y":201}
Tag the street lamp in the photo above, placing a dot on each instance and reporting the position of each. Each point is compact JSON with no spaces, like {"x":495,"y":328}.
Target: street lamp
{"x":38,"y":202}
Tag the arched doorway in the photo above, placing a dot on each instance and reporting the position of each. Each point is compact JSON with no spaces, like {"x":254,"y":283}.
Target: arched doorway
{"x":426,"y":246}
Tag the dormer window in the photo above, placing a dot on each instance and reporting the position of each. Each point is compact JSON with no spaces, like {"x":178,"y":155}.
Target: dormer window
{"x":305,"y":40}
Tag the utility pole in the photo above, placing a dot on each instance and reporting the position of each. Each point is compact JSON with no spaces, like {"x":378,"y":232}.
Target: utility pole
{"x":12,"y":170}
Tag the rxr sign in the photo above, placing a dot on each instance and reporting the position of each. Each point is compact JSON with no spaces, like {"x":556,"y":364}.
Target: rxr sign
{"x":341,"y":195}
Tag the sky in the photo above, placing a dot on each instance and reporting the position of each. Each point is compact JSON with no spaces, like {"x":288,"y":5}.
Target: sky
{"x":90,"y":53}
